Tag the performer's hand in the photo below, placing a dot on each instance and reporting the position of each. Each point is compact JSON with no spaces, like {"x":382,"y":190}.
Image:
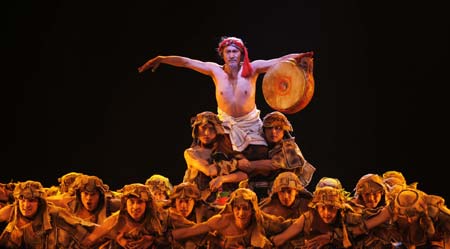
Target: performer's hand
{"x":215,"y":183}
{"x":121,"y":240}
{"x":318,"y":242}
{"x":145,"y":242}
{"x":153,"y":63}
{"x":307,"y":54}
{"x":277,"y":240}
{"x":299,"y":58}
{"x":86,"y":243}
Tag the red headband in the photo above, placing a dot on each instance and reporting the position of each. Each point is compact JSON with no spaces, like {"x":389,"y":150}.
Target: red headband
{"x":231,"y":41}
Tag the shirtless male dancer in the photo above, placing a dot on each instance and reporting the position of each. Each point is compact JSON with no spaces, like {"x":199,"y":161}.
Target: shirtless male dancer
{"x":235,"y":84}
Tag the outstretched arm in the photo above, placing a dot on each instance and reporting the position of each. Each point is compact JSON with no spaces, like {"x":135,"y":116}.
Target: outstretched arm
{"x":210,"y":225}
{"x":187,"y":232}
{"x":261,"y":66}
{"x":290,"y":232}
{"x":373,"y":221}
{"x":99,"y":232}
{"x":382,"y":217}
{"x":180,"y":61}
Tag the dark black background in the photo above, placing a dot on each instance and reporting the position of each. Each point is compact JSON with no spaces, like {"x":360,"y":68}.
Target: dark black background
{"x":74,"y":101}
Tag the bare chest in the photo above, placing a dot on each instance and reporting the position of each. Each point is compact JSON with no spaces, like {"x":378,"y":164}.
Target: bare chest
{"x":236,"y":87}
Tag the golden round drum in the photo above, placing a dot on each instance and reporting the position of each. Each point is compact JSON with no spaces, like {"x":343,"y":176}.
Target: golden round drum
{"x":288,"y":87}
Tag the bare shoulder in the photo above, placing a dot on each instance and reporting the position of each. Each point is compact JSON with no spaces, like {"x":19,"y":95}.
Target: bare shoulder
{"x":196,"y":153}
{"x":217,"y":70}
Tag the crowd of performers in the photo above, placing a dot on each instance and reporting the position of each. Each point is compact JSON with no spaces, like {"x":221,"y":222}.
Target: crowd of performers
{"x":252,"y":199}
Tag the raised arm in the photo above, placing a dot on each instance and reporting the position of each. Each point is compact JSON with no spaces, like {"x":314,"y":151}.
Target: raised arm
{"x":261,"y":66}
{"x":206,"y":68}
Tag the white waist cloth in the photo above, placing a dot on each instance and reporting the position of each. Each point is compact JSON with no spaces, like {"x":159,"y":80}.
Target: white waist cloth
{"x":243,"y":130}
